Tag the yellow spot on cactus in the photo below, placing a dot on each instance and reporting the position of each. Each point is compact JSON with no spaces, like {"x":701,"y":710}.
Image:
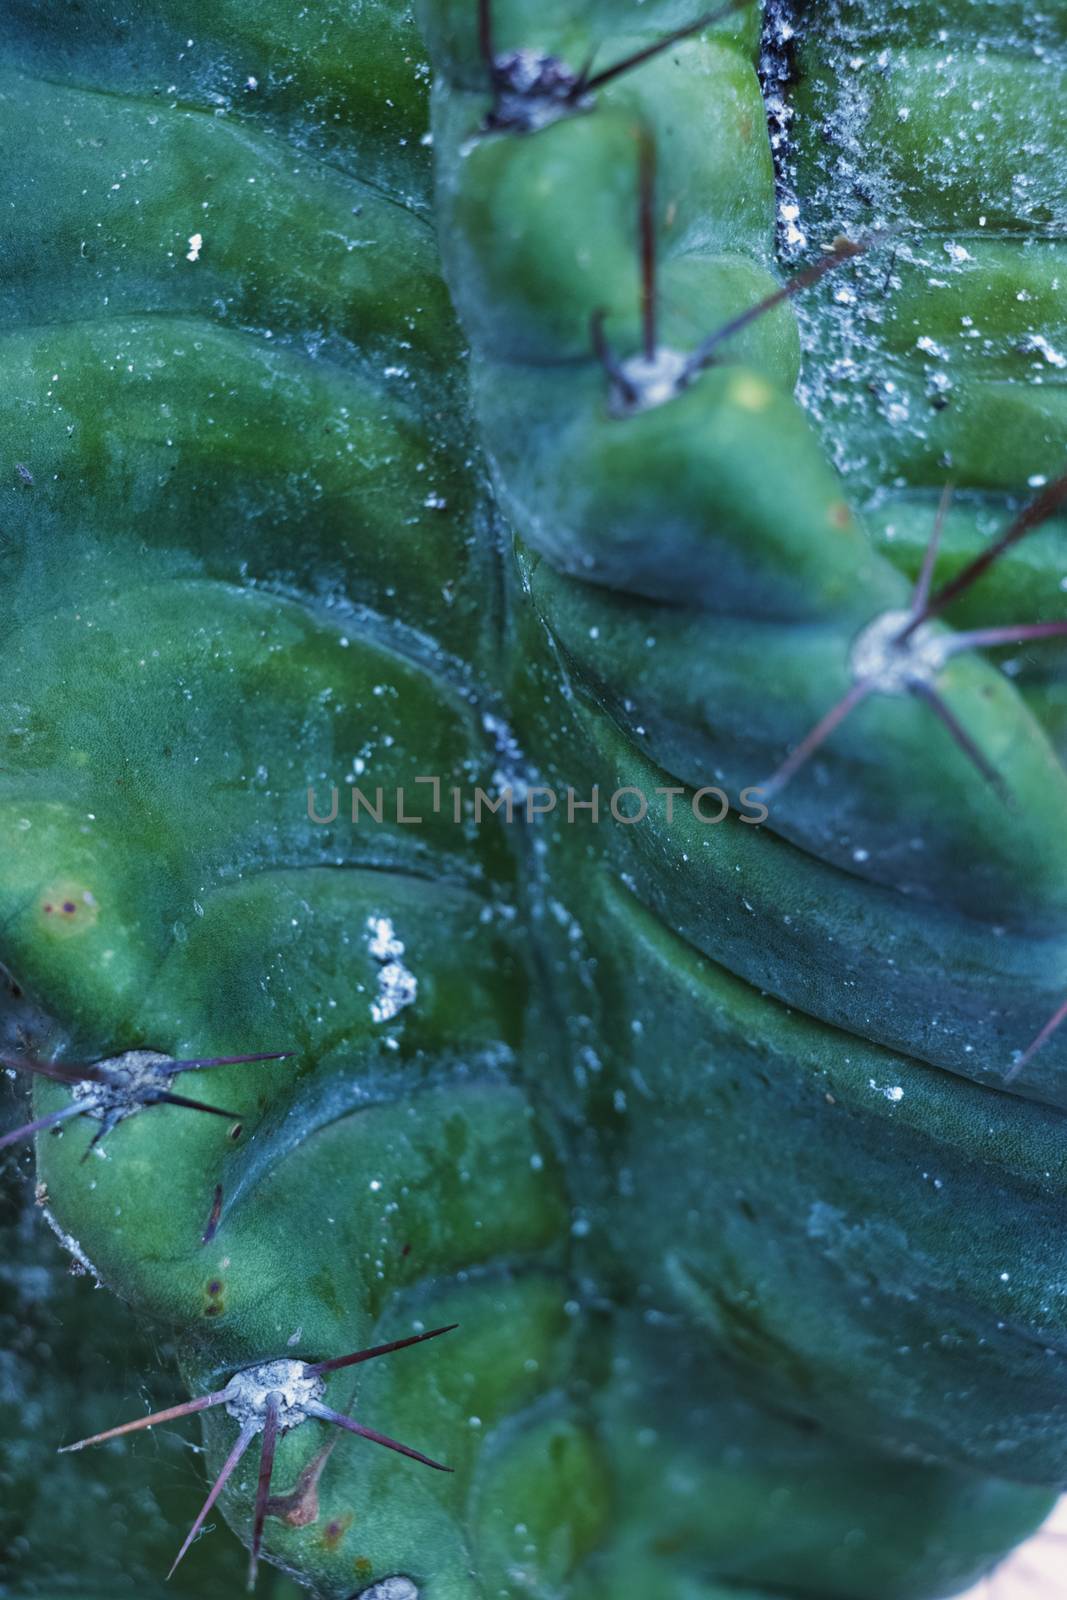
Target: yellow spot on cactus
{"x":839,"y":515}
{"x":751,"y":393}
{"x":363,"y":1566}
{"x":67,"y":908}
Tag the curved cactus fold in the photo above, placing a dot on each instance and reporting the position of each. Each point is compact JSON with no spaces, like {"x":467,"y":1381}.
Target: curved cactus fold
{"x":513,"y":519}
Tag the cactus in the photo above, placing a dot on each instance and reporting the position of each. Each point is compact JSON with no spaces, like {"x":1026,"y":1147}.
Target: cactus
{"x":709,"y":1087}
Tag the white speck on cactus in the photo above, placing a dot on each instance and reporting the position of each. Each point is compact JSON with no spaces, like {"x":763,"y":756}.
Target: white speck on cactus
{"x":397,"y":986}
{"x":892,"y":1092}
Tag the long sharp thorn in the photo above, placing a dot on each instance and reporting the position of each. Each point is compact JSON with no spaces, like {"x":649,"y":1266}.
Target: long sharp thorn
{"x":639,"y":57}
{"x":647,"y":229}
{"x":818,"y":736}
{"x":1054,"y":1022}
{"x":339,"y":1420}
{"x":266,"y":1468}
{"x":110,"y":1120}
{"x":187,"y":1409}
{"x":213,"y":1220}
{"x":231,"y":1061}
{"x":1046,"y":505}
{"x":582,"y":81}
{"x":608,"y":360}
{"x":922,"y":587}
{"x":983,"y":638}
{"x":485,"y":35}
{"x":83,"y":1072}
{"x":57,"y":1071}
{"x":942,"y":709}
{"x":844,"y":250}
{"x":163,"y":1097}
{"x":247,"y":1434}
{"x":377,"y":1350}
{"x":73,"y":1110}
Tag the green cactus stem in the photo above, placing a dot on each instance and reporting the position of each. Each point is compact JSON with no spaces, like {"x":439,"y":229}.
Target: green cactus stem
{"x":450,"y":463}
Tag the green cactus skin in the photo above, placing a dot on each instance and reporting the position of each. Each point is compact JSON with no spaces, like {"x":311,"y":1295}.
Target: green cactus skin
{"x":699,"y":1133}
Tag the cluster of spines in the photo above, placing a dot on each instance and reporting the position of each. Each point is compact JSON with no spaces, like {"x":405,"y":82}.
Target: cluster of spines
{"x":277,"y":1418}
{"x":926,"y":607}
{"x":529,"y":89}
{"x":628,"y":394}
{"x":98,"y":1083}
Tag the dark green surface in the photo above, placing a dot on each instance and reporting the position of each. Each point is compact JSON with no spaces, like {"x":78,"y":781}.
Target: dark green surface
{"x":696,"y":1131}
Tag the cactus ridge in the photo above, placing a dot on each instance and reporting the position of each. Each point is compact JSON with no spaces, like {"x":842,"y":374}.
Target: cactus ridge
{"x":331,"y":475}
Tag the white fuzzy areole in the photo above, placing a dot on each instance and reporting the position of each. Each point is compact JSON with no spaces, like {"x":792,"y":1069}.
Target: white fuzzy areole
{"x":247,"y":1394}
{"x":891,"y":665}
{"x":389,"y":1589}
{"x":653,"y":382}
{"x":126,"y":1080}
